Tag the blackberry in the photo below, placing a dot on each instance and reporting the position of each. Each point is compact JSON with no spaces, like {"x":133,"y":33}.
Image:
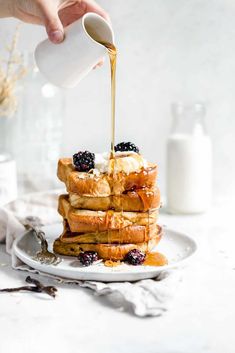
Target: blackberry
{"x":135,"y":257}
{"x":88,"y":257}
{"x":84,"y":161}
{"x":126,"y":147}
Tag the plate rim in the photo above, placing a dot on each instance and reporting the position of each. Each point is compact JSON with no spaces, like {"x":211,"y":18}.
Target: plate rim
{"x":145,"y":269}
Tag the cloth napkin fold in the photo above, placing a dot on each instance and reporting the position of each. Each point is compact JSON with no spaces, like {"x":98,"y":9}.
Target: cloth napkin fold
{"x":149,"y":297}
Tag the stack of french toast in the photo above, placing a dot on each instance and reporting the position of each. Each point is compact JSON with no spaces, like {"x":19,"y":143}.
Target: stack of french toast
{"x":111,"y":206}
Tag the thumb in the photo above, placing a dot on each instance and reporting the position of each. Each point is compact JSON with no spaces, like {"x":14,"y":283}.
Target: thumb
{"x":52,"y":21}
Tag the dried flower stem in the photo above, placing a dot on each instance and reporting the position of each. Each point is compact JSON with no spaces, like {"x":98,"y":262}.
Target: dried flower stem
{"x":38,"y":288}
{"x":14,"y":71}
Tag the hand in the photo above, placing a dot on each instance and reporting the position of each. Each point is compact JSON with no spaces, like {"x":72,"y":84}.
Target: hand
{"x":54,"y":14}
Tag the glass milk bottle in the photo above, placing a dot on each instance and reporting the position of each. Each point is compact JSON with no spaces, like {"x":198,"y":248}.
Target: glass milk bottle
{"x":189,"y":161}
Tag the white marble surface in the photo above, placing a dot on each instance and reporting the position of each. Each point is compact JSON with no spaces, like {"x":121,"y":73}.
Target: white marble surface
{"x":201,"y":317}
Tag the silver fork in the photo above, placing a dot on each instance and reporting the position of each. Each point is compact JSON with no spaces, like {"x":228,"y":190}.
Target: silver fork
{"x":44,"y":255}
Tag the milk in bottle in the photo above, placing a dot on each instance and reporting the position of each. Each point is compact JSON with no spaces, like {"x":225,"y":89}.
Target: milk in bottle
{"x":189,"y":161}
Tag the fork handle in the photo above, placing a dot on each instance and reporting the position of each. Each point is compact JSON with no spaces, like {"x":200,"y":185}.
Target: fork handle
{"x":41,"y":236}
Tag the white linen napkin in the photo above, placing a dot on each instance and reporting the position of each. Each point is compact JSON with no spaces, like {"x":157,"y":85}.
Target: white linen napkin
{"x":149,"y":297}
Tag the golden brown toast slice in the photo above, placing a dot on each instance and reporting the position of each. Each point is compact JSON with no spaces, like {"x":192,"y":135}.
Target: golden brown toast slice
{"x":132,"y":234}
{"x":80,"y":220}
{"x":105,"y":251}
{"x":103,"y":185}
{"x":139,"y":200}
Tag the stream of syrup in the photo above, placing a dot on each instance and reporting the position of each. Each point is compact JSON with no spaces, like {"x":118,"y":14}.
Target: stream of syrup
{"x":152,"y":259}
{"x":112,"y":52}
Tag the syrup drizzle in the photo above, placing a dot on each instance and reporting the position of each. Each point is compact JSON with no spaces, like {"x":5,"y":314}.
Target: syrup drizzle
{"x":155,"y":259}
{"x":112,"y":52}
{"x":152,"y":259}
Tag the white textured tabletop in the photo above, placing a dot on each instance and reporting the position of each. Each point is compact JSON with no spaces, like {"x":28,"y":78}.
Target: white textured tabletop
{"x":201,"y":317}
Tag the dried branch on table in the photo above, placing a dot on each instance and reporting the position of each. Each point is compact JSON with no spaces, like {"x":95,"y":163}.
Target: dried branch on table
{"x":37,"y":287}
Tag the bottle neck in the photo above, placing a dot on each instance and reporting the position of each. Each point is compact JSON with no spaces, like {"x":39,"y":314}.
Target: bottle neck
{"x":188,"y":120}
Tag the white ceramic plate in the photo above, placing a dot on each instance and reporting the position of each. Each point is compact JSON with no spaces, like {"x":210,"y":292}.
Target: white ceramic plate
{"x":177,"y":247}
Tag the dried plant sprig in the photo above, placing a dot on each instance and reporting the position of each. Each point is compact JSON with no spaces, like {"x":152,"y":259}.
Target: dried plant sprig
{"x":11,"y":71}
{"x":37,"y":287}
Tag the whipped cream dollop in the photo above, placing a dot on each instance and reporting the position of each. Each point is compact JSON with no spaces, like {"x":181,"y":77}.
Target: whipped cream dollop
{"x":127,"y":162}
{"x":102,"y":162}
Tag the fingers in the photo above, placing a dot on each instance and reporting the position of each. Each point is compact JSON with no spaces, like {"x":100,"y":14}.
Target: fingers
{"x":51,"y":20}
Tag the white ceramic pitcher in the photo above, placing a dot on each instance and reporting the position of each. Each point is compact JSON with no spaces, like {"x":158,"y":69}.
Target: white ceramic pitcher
{"x":65,"y":64}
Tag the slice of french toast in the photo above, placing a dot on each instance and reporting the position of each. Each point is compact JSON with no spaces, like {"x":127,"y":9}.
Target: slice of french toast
{"x":81,"y":220}
{"x":104,"y":184}
{"x":113,"y":252}
{"x":131,"y":234}
{"x":138,"y":200}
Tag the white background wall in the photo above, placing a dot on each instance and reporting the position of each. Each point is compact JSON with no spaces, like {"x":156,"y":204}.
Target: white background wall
{"x":168,"y":50}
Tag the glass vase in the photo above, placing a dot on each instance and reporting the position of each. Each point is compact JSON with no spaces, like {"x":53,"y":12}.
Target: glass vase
{"x":36,"y":132}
